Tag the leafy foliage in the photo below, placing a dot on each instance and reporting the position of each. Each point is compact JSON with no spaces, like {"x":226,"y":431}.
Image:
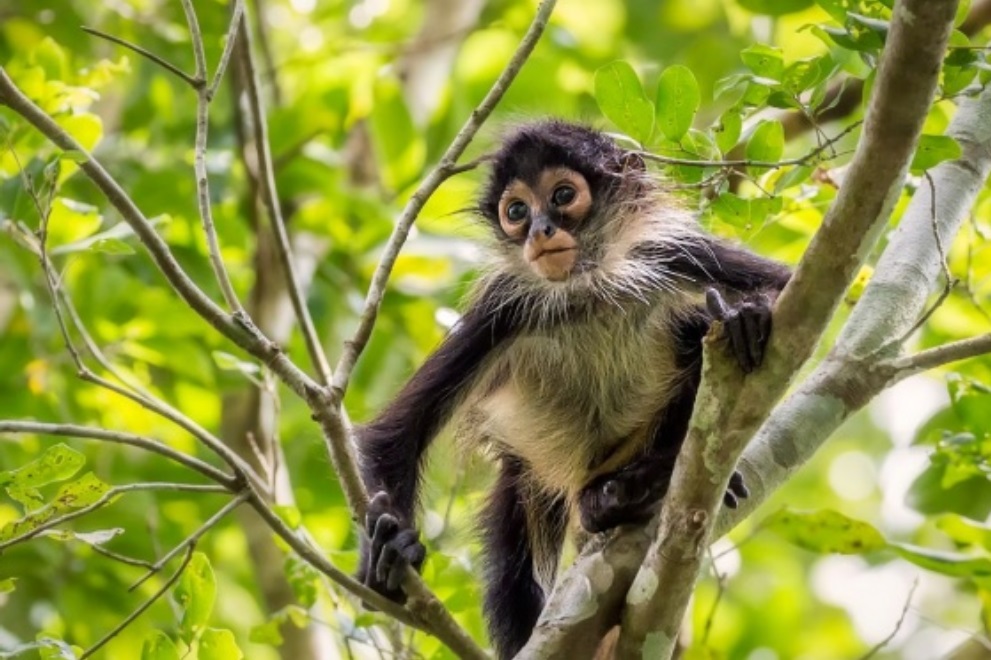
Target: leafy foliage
{"x":701,"y":84}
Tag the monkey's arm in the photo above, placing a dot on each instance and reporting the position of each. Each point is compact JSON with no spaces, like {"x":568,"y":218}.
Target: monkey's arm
{"x":392,"y":446}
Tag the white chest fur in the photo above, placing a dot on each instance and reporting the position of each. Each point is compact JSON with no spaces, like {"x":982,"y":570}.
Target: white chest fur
{"x":577,"y":400}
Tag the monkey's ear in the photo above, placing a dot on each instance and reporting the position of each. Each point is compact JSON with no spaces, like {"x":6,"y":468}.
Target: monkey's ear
{"x":632,"y":162}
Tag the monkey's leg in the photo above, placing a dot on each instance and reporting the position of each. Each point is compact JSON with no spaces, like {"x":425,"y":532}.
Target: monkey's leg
{"x":511,"y":523}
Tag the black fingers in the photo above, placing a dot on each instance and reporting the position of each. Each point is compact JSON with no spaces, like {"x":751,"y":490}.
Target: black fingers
{"x":736,"y":491}
{"x":747,"y":326}
{"x":391,"y":548}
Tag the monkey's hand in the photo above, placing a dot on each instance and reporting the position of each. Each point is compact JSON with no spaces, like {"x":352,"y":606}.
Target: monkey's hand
{"x":632,"y":494}
{"x":747,"y":326}
{"x":391,"y":547}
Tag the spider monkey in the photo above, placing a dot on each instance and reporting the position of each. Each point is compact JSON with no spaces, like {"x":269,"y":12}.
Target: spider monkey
{"x":575,"y":365}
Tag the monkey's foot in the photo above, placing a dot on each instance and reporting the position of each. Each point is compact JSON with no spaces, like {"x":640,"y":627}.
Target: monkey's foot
{"x":747,"y":325}
{"x":393,"y":546}
{"x":631,"y":496}
{"x":627,"y":496}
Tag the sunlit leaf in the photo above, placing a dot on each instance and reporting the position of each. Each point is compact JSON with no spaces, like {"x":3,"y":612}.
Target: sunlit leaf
{"x":195,"y":592}
{"x":621,"y":98}
{"x":775,"y":7}
{"x":677,"y":101}
{"x":934,"y":149}
{"x":158,"y":646}
{"x":765,"y":61}
{"x":218,"y":644}
{"x":826,"y":531}
{"x":947,"y":563}
{"x":767,"y":142}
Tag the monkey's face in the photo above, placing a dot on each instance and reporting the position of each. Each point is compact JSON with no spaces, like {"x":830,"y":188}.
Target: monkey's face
{"x":543,"y":216}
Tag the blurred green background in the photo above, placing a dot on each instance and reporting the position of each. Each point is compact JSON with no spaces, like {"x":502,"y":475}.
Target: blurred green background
{"x":363,"y":98}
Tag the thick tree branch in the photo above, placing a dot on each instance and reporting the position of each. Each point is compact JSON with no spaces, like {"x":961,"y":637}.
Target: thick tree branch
{"x":721,"y":427}
{"x":902,"y":96}
{"x":860,"y":364}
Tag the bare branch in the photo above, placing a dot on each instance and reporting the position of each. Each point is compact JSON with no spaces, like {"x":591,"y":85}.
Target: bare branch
{"x":444,"y":169}
{"x":193,"y":538}
{"x":141,"y":608}
{"x":941,"y":355}
{"x":898,"y":624}
{"x":203,"y":95}
{"x":259,"y":123}
{"x":91,"y":433}
{"x":229,"y":44}
{"x":168,"y":66}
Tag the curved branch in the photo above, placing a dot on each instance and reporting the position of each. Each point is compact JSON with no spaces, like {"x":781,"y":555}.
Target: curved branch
{"x":92,"y":433}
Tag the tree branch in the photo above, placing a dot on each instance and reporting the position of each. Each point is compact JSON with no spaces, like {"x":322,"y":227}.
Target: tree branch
{"x":165,"y":64}
{"x":141,"y":608}
{"x":443,"y":170}
{"x":583,"y":608}
{"x":92,"y":433}
{"x":939,"y":356}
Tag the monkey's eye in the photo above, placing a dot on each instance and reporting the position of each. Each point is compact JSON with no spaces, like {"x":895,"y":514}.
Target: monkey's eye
{"x":563,"y":195}
{"x":517,"y":211}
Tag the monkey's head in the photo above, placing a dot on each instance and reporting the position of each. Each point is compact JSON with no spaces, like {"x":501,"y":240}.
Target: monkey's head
{"x":555,"y":196}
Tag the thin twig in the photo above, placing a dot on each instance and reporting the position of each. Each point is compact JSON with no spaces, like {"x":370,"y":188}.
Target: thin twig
{"x":92,"y":433}
{"x":225,"y":56}
{"x":191,"y":540}
{"x":448,"y":164}
{"x":941,"y":355}
{"x":124,"y":559}
{"x":199,"y":162}
{"x":141,"y":608}
{"x":898,"y":625}
{"x":171,"y":68}
{"x":743,"y":162}
{"x":104,"y":499}
{"x":256,"y":110}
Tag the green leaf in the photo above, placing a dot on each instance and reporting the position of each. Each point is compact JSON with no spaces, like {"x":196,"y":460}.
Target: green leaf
{"x":794,"y":176}
{"x":57,"y":463}
{"x":947,"y":563}
{"x":621,"y":98}
{"x":932,"y":150}
{"x":727,"y":131}
{"x":970,"y":498}
{"x":266,"y":633}
{"x":765,"y":61}
{"x":767,"y":142}
{"x":775,"y":7}
{"x":826,"y":531}
{"x":80,"y":493}
{"x":219,"y":644}
{"x":158,"y":646}
{"x":228,"y":362}
{"x":7,"y":585}
{"x":678,"y":100}
{"x":289,"y":514}
{"x":196,"y":593}
{"x":400,"y":147}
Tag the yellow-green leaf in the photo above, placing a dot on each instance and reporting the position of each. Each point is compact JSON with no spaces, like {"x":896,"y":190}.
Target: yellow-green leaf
{"x":158,"y":646}
{"x":219,"y":644}
{"x":621,"y":98}
{"x":826,"y":531}
{"x":196,"y":593}
{"x":678,"y":100}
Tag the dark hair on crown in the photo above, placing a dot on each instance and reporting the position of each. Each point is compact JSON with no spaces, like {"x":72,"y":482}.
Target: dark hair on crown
{"x":532,"y":147}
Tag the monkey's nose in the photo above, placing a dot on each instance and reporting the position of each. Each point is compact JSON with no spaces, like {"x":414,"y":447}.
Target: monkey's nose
{"x":542,"y":228}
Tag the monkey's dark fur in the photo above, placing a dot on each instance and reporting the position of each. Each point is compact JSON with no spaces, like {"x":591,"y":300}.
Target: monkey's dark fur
{"x":575,"y":365}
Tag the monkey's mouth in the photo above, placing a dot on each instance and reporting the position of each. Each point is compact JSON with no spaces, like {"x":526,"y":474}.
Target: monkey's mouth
{"x":550,"y":251}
